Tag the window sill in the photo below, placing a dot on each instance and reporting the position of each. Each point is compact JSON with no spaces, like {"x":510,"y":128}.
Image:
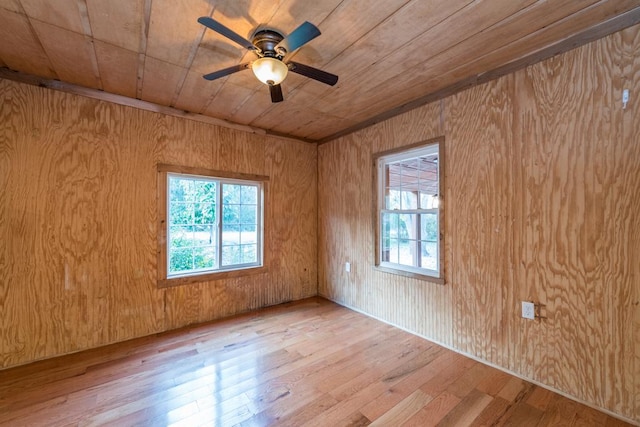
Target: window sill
{"x":424,"y":277}
{"x":210,"y":277}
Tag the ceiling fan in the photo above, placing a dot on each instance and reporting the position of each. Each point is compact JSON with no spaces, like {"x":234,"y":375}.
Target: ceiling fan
{"x":272,"y":48}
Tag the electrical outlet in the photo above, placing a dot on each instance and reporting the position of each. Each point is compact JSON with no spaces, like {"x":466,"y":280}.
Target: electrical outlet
{"x":347,"y":267}
{"x":528,"y":310}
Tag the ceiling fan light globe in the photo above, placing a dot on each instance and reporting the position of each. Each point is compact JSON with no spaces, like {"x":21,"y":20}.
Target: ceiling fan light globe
{"x":270,"y":71}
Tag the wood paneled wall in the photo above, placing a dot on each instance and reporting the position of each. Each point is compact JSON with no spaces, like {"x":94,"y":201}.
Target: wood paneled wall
{"x":78,"y":222}
{"x":542,"y":202}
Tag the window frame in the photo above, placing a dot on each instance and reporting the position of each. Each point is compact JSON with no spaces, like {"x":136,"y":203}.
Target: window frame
{"x":379,"y":188}
{"x":164,"y":279}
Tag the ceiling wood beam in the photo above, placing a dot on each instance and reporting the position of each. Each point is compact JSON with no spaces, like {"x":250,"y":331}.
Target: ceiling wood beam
{"x":618,"y":23}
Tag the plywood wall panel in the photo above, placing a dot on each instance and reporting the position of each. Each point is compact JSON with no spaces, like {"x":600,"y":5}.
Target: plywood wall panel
{"x":627,"y":197}
{"x":567,"y":209}
{"x":79,"y":220}
{"x":297,"y":204}
{"x":346,"y":230}
{"x":242,"y":153}
{"x":479,"y":212}
{"x":541,"y":203}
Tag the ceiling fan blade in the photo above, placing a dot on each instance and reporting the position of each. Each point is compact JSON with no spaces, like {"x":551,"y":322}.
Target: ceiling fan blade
{"x":226,"y":71}
{"x":298,"y":37}
{"x":228,"y":33}
{"x":276,"y":93}
{"x":313,"y":73}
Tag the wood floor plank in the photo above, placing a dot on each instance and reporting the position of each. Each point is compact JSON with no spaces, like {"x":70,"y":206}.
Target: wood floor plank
{"x":310,"y":363}
{"x":469,"y":408}
{"x":434,"y":411}
{"x":404,"y":410}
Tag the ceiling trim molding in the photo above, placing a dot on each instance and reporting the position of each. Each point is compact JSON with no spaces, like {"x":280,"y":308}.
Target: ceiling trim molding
{"x":7,"y":74}
{"x":613,"y":25}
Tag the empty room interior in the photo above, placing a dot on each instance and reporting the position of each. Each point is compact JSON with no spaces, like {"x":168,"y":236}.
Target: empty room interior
{"x":316,"y":213}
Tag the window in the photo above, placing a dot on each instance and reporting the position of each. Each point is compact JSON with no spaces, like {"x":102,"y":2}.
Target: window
{"x":211,"y":223}
{"x":408,"y":212}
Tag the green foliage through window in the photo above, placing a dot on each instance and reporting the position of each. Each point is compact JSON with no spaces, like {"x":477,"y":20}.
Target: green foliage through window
{"x":197,"y":241}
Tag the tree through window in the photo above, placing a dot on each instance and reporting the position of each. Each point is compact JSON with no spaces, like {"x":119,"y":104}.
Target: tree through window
{"x":212,"y":224}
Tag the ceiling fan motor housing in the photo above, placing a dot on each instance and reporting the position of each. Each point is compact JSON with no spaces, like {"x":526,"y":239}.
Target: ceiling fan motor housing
{"x":266,"y":41}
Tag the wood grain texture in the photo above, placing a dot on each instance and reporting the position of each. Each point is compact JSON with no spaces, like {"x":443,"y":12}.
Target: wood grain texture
{"x":569,"y":233}
{"x":630,"y":359}
{"x":480,"y":287}
{"x":22,"y":51}
{"x":311,"y":363}
{"x":60,"y":51}
{"x":345,"y":195}
{"x":390,"y":56}
{"x":79,"y":218}
{"x":542,"y":203}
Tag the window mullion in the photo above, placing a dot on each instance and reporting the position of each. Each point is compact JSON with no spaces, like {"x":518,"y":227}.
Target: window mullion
{"x":219,"y":223}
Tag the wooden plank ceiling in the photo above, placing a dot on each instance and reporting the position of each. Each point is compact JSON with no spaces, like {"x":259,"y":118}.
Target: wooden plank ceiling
{"x":389,"y":55}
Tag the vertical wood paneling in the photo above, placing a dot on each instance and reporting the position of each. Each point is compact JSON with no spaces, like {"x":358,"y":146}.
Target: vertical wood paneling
{"x":345,"y":196}
{"x":569,"y":180}
{"x":479,"y":210}
{"x":296,"y":192}
{"x":629,"y":193}
{"x":542,"y":202}
{"x":79,"y":215}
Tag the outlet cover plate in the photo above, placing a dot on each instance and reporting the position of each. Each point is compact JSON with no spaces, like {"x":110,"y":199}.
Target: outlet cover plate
{"x":528,"y":310}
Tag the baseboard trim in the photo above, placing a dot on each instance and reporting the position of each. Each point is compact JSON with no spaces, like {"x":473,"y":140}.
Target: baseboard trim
{"x":485,"y":362}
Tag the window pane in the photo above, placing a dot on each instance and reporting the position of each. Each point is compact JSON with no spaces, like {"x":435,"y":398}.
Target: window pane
{"x":180,"y":260}
{"x":410,"y":174}
{"x":390,"y":224}
{"x":230,"y":234}
{"x":248,"y":214}
{"x":203,"y":235}
{"x":204,"y":257}
{"x":429,"y":255}
{"x":407,"y":226}
{"x":394,"y":250}
{"x":231,"y":214}
{"x":249,"y":254}
{"x":204,"y":213}
{"x":249,"y":195}
{"x":392,"y":201}
{"x":231,"y":255}
{"x":180,"y":236}
{"x":407,"y":252}
{"x":204,"y":191}
{"x":231,"y":194}
{"x":408,"y":200}
{"x":429,"y":225}
{"x":180,"y":189}
{"x":248,"y":234}
{"x":181,"y":213}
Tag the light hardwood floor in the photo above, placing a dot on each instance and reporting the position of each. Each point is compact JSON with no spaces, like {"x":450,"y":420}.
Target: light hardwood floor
{"x":308,"y":363}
